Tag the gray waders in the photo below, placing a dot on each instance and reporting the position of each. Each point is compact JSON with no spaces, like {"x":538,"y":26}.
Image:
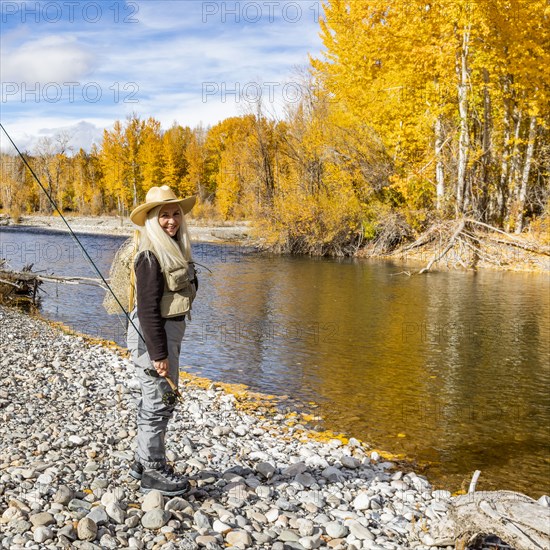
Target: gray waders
{"x":154,"y":410}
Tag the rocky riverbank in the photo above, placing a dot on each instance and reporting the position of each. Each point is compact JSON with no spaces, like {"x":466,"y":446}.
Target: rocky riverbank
{"x":115,"y":225}
{"x":67,"y":408}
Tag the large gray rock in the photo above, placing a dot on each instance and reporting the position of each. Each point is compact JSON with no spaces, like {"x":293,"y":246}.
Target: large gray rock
{"x":87,"y":529}
{"x":155,"y":519}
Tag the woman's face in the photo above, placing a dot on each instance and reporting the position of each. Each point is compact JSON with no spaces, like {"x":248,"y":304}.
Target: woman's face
{"x":170,"y":219}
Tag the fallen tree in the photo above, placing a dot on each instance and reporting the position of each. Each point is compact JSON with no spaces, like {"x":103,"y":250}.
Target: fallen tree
{"x":517,"y":520}
{"x":469,"y":243}
{"x":21,"y":288}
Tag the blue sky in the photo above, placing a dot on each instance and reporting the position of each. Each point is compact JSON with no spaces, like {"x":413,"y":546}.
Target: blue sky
{"x":77,"y":66}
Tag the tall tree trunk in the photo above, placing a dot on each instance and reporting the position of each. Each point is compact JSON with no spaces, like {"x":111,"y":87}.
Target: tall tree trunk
{"x":522,"y":195}
{"x":514,"y":168}
{"x":487,"y":148}
{"x":464,"y":139}
{"x":502,"y":193}
{"x":439,"y":168}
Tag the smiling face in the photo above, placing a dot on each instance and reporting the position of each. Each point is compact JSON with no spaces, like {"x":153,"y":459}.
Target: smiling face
{"x":170,"y":219}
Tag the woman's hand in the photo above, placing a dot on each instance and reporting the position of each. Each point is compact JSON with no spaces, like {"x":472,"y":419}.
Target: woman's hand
{"x":161,"y":367}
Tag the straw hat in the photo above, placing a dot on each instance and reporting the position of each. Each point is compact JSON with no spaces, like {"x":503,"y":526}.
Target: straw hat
{"x":156,"y":196}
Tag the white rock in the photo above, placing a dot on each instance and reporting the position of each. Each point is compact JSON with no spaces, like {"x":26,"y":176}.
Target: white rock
{"x":238,"y":538}
{"x":42,"y":534}
{"x":305,"y":527}
{"x":221,"y":527}
{"x":176,"y":504}
{"x":313,"y":541}
{"x":115,"y":512}
{"x":87,"y":529}
{"x":360,"y":531}
{"x":361,"y":502}
{"x":441,"y":494}
{"x":155,"y":519}
{"x":153,"y":499}
{"x":336,"y":530}
{"x":272,"y":515}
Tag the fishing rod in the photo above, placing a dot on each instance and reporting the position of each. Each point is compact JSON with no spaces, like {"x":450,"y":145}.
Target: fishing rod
{"x":173,"y":386}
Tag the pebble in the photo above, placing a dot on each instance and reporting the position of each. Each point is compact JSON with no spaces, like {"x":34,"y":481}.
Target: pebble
{"x":359,"y":531}
{"x":63,"y":495}
{"x":350,"y":462}
{"x":77,"y":504}
{"x":336,"y":530}
{"x":361,"y":501}
{"x":207,"y":541}
{"x":115,"y":512}
{"x":42,"y":534}
{"x":265,"y":469}
{"x":99,"y":515}
{"x":153,"y":499}
{"x":42,"y":518}
{"x":68,"y":532}
{"x":221,"y":527}
{"x":87,"y":529}
{"x":155,"y":519}
{"x":238,"y":538}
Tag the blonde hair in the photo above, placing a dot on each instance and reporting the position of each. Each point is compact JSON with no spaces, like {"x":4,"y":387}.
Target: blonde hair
{"x":171,"y":253}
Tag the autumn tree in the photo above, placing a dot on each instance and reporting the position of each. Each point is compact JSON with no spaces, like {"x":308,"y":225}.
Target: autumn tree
{"x":453,"y":90}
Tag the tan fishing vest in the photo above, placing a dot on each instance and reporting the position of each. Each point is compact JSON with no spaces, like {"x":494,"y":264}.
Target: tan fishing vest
{"x":179,"y":292}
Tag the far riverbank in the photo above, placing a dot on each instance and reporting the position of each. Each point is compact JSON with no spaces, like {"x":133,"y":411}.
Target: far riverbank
{"x":435,"y":250}
{"x":211,"y":232}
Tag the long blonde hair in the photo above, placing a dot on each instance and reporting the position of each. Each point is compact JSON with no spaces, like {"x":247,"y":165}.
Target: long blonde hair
{"x":170,"y":252}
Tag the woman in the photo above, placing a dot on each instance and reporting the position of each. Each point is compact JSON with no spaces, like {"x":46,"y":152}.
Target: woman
{"x":165,"y":286}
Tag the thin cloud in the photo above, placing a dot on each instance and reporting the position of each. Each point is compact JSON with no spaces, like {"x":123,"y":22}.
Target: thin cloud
{"x":47,"y":59}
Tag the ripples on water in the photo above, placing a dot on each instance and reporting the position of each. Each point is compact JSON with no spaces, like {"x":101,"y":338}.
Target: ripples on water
{"x":449,"y":368}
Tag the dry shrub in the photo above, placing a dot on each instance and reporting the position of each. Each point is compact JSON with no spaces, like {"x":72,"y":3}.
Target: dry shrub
{"x":204,"y":212}
{"x":15,"y":212}
{"x":321,"y":225}
{"x":539,"y":228}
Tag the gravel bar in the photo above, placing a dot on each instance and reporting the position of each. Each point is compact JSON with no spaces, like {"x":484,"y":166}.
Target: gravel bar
{"x":67,"y":410}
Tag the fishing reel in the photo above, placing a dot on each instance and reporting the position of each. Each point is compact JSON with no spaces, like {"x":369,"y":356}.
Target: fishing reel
{"x":173,"y":395}
{"x":169,"y":398}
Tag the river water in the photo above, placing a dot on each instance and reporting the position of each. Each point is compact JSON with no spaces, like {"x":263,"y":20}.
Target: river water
{"x":451,"y":369}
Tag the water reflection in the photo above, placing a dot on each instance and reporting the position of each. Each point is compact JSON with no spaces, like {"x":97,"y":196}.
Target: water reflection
{"x":450,"y":368}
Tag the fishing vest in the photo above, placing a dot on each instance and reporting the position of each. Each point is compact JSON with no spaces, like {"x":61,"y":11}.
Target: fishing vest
{"x":179,"y":291}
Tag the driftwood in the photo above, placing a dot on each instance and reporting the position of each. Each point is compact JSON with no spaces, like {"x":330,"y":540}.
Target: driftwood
{"x":21,"y":287}
{"x":516,"y":519}
{"x":451,"y":243}
{"x":468,"y":242}
{"x":29,"y":276}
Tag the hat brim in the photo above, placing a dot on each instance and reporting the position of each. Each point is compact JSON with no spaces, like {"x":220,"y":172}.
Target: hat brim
{"x":139,"y":214}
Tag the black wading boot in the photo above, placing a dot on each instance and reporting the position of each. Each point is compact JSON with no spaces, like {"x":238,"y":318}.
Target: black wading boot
{"x":136,"y":470}
{"x":164,"y":480}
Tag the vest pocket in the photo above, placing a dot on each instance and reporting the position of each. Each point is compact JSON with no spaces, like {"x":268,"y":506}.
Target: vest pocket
{"x":173,"y":304}
{"x":176,"y":279}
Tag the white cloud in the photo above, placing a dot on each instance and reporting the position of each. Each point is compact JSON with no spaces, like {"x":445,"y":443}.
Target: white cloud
{"x":28,"y":131}
{"x":47,"y":59}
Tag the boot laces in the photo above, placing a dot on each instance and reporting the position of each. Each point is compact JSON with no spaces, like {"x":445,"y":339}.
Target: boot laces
{"x":168,"y":472}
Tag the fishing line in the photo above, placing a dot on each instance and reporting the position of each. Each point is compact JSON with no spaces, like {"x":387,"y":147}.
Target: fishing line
{"x":75,"y":237}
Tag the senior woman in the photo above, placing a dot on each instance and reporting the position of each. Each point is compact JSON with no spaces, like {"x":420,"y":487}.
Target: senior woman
{"x":165,"y":286}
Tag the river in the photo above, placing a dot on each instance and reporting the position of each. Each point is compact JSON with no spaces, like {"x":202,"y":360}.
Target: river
{"x":451,"y":369}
